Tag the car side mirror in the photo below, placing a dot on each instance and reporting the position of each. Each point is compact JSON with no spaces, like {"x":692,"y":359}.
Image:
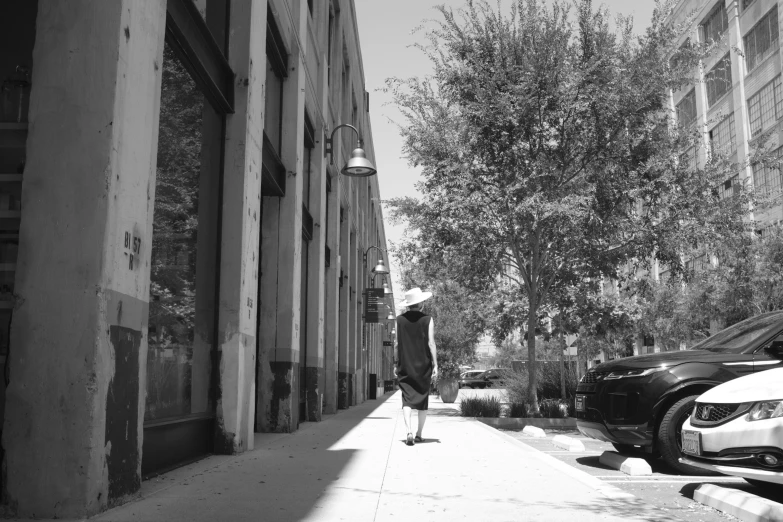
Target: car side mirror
{"x":775,"y":349}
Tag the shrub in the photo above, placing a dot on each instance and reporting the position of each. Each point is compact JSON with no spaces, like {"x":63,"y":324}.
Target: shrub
{"x":480,"y":407}
{"x":554,"y":408}
{"x":518,"y":410}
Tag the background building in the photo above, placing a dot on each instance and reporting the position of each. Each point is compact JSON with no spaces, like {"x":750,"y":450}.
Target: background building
{"x":182,"y":263}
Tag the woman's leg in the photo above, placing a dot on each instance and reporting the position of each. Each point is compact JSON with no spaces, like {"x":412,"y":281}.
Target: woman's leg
{"x":406,"y":416}
{"x":422,"y":419}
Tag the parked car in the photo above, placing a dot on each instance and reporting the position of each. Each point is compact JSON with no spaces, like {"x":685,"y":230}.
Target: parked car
{"x":496,"y":377}
{"x":472,"y":379}
{"x":642,"y":402}
{"x":737,"y":428}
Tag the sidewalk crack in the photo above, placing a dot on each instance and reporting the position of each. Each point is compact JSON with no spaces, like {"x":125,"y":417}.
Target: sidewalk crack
{"x":386,"y":468}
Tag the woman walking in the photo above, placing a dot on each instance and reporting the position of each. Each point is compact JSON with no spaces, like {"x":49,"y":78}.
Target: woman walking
{"x":416,"y":361}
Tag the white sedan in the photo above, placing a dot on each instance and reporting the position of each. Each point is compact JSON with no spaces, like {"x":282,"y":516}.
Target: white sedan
{"x":737,"y":429}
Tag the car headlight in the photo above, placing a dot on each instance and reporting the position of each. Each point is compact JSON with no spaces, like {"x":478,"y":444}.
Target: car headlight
{"x":766,"y":410}
{"x":635,"y":373}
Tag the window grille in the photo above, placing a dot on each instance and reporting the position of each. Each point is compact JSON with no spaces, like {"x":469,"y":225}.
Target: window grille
{"x":730,"y":187}
{"x":762,"y":39}
{"x":688,"y":158}
{"x":723,"y":137}
{"x":767,"y":176}
{"x":765,"y":106}
{"x":686,"y":109}
{"x":718,"y":80}
{"x":716,"y":23}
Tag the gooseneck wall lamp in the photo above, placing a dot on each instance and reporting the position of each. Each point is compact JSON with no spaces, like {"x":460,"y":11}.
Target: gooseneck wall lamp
{"x":380,"y":268}
{"x":358,"y":166}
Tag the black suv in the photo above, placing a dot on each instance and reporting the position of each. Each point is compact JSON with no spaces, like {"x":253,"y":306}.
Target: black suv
{"x":641,"y":403}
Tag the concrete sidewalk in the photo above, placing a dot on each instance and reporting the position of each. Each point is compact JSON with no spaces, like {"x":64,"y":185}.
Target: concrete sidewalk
{"x":355,"y":466}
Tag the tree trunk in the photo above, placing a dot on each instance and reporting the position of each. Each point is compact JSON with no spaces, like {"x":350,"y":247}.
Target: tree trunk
{"x":532,"y":385}
{"x":562,"y":366}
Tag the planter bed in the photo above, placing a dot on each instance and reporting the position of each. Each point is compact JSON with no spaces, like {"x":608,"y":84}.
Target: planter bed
{"x":506,"y":423}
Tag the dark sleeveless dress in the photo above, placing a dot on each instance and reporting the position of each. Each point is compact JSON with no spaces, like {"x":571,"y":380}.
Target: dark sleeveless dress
{"x":415,"y":360}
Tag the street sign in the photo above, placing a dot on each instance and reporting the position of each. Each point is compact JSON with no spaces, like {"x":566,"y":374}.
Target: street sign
{"x":388,"y":343}
{"x":374,"y":311}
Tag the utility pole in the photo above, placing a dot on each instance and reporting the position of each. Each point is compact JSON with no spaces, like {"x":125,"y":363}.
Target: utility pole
{"x":562,"y":357}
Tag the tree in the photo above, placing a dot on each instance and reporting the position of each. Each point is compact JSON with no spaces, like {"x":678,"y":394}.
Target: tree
{"x":548,"y":153}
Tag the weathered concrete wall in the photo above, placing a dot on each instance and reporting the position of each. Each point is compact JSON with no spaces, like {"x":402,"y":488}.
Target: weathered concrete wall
{"x":237,"y":318}
{"x":72,"y":430}
{"x":282,"y":225}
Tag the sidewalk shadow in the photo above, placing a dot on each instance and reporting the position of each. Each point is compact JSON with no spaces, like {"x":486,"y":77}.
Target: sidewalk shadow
{"x":260,"y":481}
{"x":425,"y":441}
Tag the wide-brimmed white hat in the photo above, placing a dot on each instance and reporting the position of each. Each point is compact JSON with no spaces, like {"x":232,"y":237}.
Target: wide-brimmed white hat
{"x":415,"y":296}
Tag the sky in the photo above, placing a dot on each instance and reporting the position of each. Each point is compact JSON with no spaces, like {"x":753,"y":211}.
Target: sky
{"x":386,"y":35}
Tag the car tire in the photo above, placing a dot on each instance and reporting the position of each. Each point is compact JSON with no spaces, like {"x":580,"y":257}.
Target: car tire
{"x":670,"y":436}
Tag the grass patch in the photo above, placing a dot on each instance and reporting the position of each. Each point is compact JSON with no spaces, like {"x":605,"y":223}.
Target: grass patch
{"x":479,"y":407}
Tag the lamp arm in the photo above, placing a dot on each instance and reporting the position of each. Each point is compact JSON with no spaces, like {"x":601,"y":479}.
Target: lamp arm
{"x":350,"y":127}
{"x":370,"y":248}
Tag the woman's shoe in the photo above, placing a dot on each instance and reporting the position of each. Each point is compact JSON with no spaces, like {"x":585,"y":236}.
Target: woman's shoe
{"x":409,"y":440}
{"x":418,"y":438}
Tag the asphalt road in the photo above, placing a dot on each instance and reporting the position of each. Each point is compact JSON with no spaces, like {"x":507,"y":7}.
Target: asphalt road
{"x":665,"y":488}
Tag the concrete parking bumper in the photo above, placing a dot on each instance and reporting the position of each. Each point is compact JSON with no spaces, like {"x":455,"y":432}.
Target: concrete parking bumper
{"x":745,"y":506}
{"x":628,"y":465}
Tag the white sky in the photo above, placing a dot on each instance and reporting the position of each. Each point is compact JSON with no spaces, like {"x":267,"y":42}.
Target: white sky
{"x":386,"y":35}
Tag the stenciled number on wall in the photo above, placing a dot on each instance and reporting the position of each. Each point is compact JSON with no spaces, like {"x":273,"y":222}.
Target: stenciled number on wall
{"x":132,"y":248}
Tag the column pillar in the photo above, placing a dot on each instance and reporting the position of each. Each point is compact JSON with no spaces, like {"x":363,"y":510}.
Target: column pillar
{"x":314,"y":362}
{"x":237,"y":314}
{"x":281,"y":278}
{"x":343,"y":379}
{"x":75,"y":404}
{"x":332,"y":307}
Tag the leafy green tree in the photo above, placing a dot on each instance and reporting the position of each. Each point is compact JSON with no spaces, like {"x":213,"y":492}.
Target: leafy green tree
{"x":547,"y":152}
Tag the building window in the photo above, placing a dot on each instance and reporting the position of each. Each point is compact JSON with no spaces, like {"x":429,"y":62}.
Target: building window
{"x":718,"y":80}
{"x":686,"y":109}
{"x":330,"y":45}
{"x":765,"y":106}
{"x":730,"y":187}
{"x":307,"y":168}
{"x":716,"y":23}
{"x":184,"y":242}
{"x":746,"y":3}
{"x":688,"y":158}
{"x":766,"y":176}
{"x":762,"y":39}
{"x":276,"y":72}
{"x":723,"y":137}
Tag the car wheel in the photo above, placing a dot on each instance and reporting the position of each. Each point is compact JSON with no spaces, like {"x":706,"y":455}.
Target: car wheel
{"x":670,"y":436}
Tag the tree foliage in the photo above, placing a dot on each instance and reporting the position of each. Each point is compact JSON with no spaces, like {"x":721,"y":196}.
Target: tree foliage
{"x":548,"y":153}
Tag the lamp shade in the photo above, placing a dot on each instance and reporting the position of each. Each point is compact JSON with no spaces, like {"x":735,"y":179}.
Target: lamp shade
{"x":359,"y":166}
{"x":386,"y":290}
{"x":390,"y":317}
{"x":380,"y":269}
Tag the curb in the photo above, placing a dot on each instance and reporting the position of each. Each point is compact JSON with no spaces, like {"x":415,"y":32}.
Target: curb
{"x":607,"y":490}
{"x":506,"y":423}
{"x":568,"y":443}
{"x":628,"y":465}
{"x":744,"y":506}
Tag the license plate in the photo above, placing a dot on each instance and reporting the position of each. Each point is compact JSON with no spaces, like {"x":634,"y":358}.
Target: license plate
{"x":691,"y":442}
{"x":580,"y":403}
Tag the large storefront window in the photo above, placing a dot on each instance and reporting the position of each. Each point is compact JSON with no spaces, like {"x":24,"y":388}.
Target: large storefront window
{"x":180,"y":322}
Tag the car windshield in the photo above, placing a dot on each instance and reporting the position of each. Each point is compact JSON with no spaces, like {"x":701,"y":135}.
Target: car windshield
{"x":736,"y":338}
{"x":471,"y":375}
